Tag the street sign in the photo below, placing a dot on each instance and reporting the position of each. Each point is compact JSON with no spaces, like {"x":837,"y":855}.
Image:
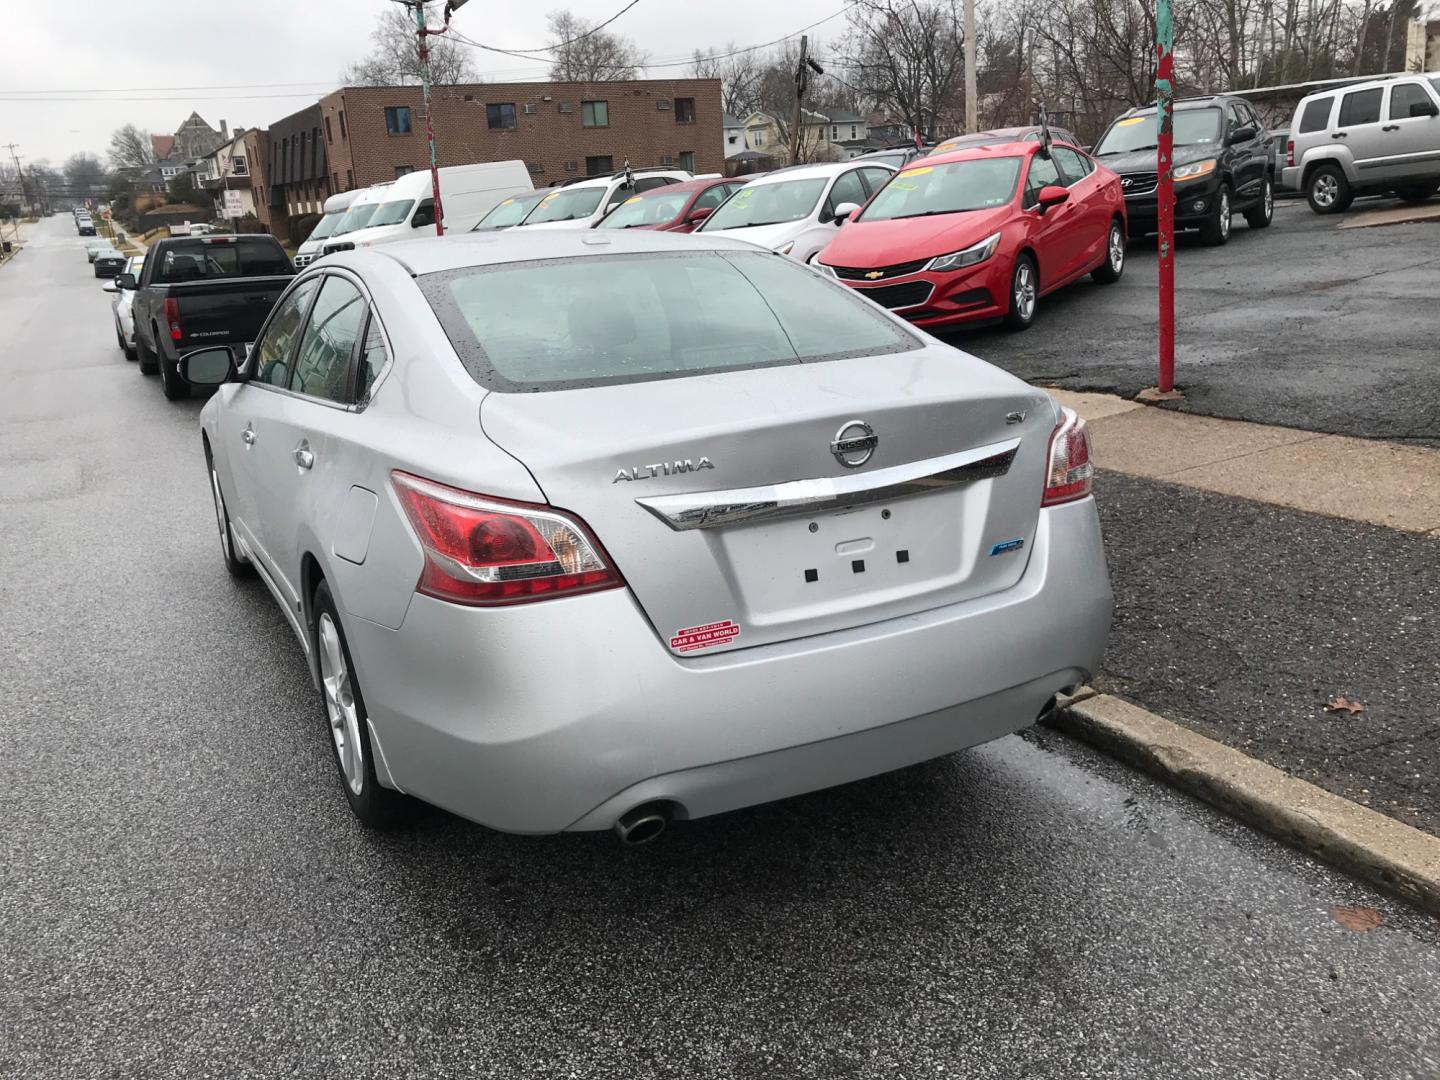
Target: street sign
{"x":234,"y":206}
{"x":105,"y":214}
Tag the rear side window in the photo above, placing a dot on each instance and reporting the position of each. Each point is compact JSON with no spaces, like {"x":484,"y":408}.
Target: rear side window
{"x":196,"y":260}
{"x":1316,"y":115}
{"x":1361,"y":107}
{"x":1404,"y":95}
{"x":564,"y":323}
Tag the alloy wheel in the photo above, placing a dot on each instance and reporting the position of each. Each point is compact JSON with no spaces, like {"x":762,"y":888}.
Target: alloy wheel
{"x":1117,"y":248}
{"x":340,"y":705}
{"x":1024,"y":291}
{"x":1325,"y":190}
{"x":1269,"y":200}
{"x":1225,"y":214}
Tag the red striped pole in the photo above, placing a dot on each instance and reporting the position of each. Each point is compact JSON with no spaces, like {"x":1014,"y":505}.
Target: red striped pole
{"x":1164,"y":147}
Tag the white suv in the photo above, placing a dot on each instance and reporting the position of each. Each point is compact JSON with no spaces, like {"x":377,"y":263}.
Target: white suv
{"x":1366,"y":139}
{"x":581,"y":204}
{"x":796,"y":210}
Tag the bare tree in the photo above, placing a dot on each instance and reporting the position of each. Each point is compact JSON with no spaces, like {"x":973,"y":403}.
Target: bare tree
{"x":909,"y":58}
{"x":584,"y":53}
{"x":395,"y":58}
{"x":131,"y":147}
{"x":739,"y":74}
{"x":84,"y":171}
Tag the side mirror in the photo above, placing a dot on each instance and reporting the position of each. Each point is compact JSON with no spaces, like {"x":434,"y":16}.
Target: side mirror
{"x":844,"y":210}
{"x":127,"y":281}
{"x":1424,"y":108}
{"x":1052,"y":195}
{"x":111,"y":286}
{"x":208,"y":367}
{"x":699,"y":215}
{"x":1239,"y":135}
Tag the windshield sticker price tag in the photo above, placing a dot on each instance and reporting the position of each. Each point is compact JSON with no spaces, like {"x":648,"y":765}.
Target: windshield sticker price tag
{"x":633,"y":198}
{"x":919,"y":172}
{"x":704,"y":637}
{"x":1130,"y":120}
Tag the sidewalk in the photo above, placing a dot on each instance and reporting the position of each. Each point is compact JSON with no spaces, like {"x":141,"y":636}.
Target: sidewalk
{"x":1261,"y":573}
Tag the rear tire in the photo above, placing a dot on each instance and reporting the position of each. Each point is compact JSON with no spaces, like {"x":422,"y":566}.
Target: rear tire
{"x":120,"y":339}
{"x":1114,"y":265}
{"x":1417,"y":193}
{"x":1262,"y":213}
{"x":149,"y":364}
{"x":1024,"y":293}
{"x":176,"y":388}
{"x":1216,"y":230}
{"x":1327,"y":190}
{"x":347,"y":721}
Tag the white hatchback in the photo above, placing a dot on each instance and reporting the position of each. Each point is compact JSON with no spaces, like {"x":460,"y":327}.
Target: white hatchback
{"x":581,"y":204}
{"x":796,"y":211}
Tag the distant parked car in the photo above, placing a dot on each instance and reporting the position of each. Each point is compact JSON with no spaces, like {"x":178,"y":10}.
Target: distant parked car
{"x":1366,"y":139}
{"x":675,"y":208}
{"x":1221,"y":165}
{"x":85,"y":226}
{"x":983,"y":233}
{"x":92,"y":250}
{"x":581,"y":204}
{"x":796,"y":211}
{"x":996,"y":136}
{"x":109,"y":263}
{"x":510,"y":212}
{"x":896,"y":156}
{"x":124,"y":306}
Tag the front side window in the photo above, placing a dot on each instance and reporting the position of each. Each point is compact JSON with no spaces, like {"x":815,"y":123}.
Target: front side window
{"x":277,"y":341}
{"x":595,"y":114}
{"x":1042,"y":174}
{"x":712,"y":197}
{"x":397,"y":119}
{"x":1361,"y":107}
{"x":956,"y":188}
{"x":1316,"y":115}
{"x":500,"y":117}
{"x":322,"y":366}
{"x":684,"y":110}
{"x":875,"y":178}
{"x":1071,"y":164}
{"x":1403,"y":96}
{"x":563,"y":323}
{"x":567,"y":204}
{"x":767,"y":204}
{"x":848,"y":189}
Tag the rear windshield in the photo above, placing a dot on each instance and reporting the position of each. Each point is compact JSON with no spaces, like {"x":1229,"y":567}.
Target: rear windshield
{"x":566,"y":205}
{"x":961,"y":186}
{"x":563,"y":323}
{"x":196,"y":260}
{"x":646,"y":210}
{"x":510,"y":212}
{"x":767,"y":204}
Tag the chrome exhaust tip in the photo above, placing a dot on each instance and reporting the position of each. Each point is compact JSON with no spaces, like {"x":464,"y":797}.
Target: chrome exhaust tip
{"x":643,"y":824}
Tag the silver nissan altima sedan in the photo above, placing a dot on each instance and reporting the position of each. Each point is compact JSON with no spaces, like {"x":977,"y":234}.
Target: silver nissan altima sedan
{"x":582,"y":530}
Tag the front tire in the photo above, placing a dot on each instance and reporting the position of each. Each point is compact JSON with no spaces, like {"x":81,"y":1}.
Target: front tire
{"x":1109,"y":272}
{"x":1262,"y":213}
{"x":1024,"y":293}
{"x":347,"y":720}
{"x":235,"y":563}
{"x":1327,"y":190}
{"x":1216,"y":230}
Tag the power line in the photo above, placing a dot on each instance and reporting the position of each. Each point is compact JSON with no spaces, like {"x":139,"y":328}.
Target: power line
{"x":163,"y":89}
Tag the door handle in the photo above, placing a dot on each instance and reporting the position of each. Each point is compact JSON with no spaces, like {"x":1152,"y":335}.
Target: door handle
{"x":248,"y":436}
{"x":1391,"y":127}
{"x":303,"y":456}
{"x":1339,"y":135}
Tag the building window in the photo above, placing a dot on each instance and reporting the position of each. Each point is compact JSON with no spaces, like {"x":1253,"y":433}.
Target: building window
{"x":684,"y":110}
{"x":397,"y":119}
{"x":595,"y":114}
{"x":329,"y":131}
{"x":335,"y":181}
{"x":852,"y":132}
{"x":402,"y":170}
{"x":757,"y":135}
{"x":599,"y":166}
{"x":349,"y":179}
{"x":834,"y":132}
{"x":500,"y":117}
{"x":687,"y":160}
{"x":343,"y":133}
{"x":239,"y":166}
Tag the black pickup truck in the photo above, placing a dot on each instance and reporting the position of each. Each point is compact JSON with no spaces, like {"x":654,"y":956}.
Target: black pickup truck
{"x":197,"y":291}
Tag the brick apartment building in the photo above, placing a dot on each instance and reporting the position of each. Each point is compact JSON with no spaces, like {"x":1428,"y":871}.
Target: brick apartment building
{"x":295,"y":172}
{"x":560,"y":130}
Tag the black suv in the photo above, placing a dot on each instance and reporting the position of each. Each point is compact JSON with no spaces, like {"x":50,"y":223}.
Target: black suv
{"x":1221,"y":165}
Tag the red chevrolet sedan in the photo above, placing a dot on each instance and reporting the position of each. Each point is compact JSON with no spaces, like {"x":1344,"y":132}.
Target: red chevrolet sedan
{"x":673,"y":208}
{"x":983,"y":233}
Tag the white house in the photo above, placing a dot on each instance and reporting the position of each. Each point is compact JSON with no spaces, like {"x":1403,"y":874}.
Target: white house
{"x":734,"y":135}
{"x":227,"y":168}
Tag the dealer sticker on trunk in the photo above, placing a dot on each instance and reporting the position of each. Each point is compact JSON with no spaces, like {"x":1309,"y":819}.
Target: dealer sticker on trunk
{"x":704,"y":637}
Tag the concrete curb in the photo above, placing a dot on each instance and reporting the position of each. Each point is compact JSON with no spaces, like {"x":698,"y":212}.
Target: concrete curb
{"x":1398,"y":858}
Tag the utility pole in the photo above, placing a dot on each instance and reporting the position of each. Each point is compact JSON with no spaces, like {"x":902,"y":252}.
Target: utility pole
{"x":971,"y":123}
{"x":1164,"y":165}
{"x":424,"y":33}
{"x":802,"y":81}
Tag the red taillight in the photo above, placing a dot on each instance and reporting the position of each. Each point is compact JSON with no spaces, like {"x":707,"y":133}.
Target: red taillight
{"x":1290,"y":153}
{"x":172,"y":317}
{"x":1069,"y":473}
{"x":480,"y":550}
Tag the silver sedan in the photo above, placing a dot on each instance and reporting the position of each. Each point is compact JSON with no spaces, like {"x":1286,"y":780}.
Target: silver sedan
{"x":582,"y":530}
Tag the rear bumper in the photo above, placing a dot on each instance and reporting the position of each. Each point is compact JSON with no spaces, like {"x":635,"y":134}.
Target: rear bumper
{"x":563,"y":715}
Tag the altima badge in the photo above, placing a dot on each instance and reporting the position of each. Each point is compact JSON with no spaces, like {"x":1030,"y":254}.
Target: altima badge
{"x":664,"y":468}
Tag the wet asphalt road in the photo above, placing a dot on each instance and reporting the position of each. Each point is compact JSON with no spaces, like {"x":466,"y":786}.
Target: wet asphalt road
{"x":1302,"y":325}
{"x":183,"y":892}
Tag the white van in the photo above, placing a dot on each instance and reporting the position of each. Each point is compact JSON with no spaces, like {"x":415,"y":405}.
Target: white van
{"x":335,"y":207}
{"x":467,"y":192}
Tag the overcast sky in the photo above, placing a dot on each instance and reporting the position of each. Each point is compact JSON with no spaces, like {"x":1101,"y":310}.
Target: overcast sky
{"x":296,"y":48}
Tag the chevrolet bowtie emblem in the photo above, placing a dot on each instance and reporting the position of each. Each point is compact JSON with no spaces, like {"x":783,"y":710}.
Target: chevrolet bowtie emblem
{"x":873,"y":274}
